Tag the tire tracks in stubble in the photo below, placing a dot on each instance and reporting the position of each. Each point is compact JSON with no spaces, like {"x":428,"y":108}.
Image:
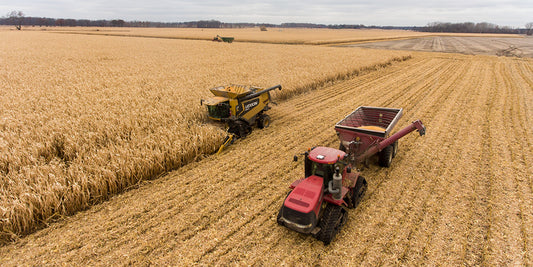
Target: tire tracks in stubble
{"x":422,"y":201}
{"x":347,"y":91}
{"x":515,"y":152}
{"x":432,"y":117}
{"x":404,"y":93}
{"x":509,"y":235}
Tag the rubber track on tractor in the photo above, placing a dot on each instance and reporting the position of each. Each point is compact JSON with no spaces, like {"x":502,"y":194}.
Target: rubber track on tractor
{"x":332,"y":221}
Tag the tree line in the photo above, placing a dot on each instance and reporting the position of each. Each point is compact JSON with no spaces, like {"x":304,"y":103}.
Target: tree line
{"x":18,"y":19}
{"x":471,"y":27}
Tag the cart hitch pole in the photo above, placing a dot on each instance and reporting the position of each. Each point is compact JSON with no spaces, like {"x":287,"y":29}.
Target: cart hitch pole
{"x":416,"y":125}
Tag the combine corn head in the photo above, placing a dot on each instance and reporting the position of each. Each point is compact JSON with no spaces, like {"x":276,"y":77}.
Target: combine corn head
{"x":240,"y":108}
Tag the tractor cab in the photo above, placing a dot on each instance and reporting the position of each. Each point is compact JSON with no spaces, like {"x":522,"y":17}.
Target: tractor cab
{"x":323,"y":162}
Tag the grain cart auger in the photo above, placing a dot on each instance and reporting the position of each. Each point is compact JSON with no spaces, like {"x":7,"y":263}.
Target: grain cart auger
{"x":317,"y":204}
{"x":240,"y":108}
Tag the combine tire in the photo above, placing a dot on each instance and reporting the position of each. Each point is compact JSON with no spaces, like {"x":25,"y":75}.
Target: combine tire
{"x":358,"y":191}
{"x":240,"y":128}
{"x":333,"y":219}
{"x":385,"y":156}
{"x":263,"y":121}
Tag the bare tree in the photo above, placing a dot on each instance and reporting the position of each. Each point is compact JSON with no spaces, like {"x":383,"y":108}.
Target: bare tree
{"x":16,"y":18}
{"x":529,"y":28}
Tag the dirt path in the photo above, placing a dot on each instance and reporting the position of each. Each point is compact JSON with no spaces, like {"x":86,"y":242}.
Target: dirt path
{"x":462,"y":194}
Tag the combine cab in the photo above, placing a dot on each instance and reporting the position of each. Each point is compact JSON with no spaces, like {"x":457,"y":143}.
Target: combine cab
{"x":240,"y":107}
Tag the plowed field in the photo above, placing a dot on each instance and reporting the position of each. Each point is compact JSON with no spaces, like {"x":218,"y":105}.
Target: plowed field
{"x":460,"y":195}
{"x":460,"y":44}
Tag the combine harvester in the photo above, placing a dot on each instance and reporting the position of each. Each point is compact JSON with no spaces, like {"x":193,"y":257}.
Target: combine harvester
{"x":318,"y":203}
{"x":219,"y":38}
{"x":239,"y":107}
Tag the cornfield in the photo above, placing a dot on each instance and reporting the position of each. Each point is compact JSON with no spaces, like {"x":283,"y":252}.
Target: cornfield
{"x":273,"y":35}
{"x":460,"y":195}
{"x":86,"y":117}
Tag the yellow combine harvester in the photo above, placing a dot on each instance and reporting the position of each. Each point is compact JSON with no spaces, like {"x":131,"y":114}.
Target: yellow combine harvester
{"x":240,"y":107}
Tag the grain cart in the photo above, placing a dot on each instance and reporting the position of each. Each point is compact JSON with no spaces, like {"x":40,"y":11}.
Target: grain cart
{"x":317,"y":204}
{"x":239,"y":107}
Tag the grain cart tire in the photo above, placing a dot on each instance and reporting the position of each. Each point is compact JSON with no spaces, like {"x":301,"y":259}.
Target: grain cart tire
{"x":358,"y":191}
{"x":263,"y":121}
{"x":395,"y":148}
{"x":342,"y":148}
{"x":385,"y":156}
{"x":333,"y":219}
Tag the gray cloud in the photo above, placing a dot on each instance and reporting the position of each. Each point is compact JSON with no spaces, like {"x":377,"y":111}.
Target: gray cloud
{"x":379,"y":12}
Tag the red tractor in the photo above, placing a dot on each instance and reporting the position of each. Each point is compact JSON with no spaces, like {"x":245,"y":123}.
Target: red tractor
{"x":317,"y":204}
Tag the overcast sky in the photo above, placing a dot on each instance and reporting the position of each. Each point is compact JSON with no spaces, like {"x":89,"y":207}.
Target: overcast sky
{"x":514,"y":13}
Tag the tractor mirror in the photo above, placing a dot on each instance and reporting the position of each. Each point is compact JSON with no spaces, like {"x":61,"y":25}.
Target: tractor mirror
{"x":295,"y":158}
{"x":348,"y":170}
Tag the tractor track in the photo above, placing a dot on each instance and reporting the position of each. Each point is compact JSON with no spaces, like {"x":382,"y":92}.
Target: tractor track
{"x":506,"y":226}
{"x":448,"y":196}
{"x":517,"y":153}
{"x":418,"y":200}
{"x":405,"y":185}
{"x":451,"y":192}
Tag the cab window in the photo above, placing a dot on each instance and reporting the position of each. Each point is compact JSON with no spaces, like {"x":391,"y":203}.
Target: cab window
{"x":219,"y":111}
{"x":320,"y":169}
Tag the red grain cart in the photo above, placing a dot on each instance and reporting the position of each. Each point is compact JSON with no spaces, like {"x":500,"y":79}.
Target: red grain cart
{"x":366,"y":131}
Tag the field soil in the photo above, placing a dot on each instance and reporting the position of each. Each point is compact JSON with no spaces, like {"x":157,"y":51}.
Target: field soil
{"x":460,"y":195}
{"x":459,"y":44}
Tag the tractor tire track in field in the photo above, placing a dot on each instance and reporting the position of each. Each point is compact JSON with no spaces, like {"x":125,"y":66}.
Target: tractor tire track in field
{"x":462,"y":194}
{"x":339,"y":96}
{"x":394,"y":200}
{"x":512,"y":193}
